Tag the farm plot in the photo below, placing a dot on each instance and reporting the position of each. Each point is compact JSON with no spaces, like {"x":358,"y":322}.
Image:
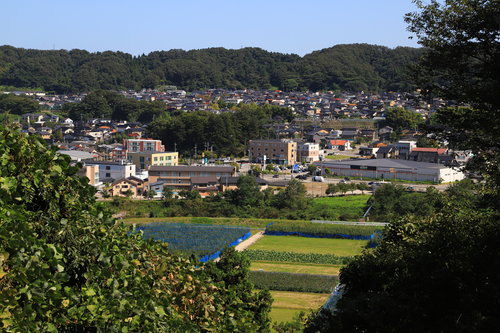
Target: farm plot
{"x":194,"y":239}
{"x":293,"y":282}
{"x":291,"y":267}
{"x":287,"y":304}
{"x":338,"y":247}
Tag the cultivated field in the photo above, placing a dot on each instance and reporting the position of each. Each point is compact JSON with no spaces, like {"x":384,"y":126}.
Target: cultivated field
{"x":339,"y":247}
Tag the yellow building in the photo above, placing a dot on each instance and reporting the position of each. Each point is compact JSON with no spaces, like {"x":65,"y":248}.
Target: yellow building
{"x":144,"y":159}
{"x":282,"y":152}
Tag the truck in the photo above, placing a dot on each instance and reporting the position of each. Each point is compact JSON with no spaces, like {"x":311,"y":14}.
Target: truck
{"x":318,"y":179}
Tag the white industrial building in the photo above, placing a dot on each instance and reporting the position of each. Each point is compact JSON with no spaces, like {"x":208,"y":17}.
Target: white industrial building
{"x":394,"y":169}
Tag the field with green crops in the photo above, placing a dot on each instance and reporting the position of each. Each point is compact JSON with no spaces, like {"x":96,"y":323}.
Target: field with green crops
{"x":297,"y":257}
{"x":292,"y":267}
{"x":324,"y":229}
{"x":338,"y":247}
{"x":193,"y":238}
{"x":293,"y":282}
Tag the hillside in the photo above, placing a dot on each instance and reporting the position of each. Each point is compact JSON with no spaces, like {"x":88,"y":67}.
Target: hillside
{"x":351,"y":67}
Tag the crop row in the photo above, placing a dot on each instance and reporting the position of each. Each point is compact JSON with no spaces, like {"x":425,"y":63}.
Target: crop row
{"x":312,"y":258}
{"x":193,"y":238}
{"x":322,"y":229}
{"x":293,"y":282}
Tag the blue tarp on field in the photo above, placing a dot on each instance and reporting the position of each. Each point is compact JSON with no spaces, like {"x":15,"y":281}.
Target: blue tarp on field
{"x":217,"y":254}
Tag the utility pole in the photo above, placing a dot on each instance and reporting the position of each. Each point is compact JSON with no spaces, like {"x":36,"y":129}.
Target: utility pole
{"x":195,"y":151}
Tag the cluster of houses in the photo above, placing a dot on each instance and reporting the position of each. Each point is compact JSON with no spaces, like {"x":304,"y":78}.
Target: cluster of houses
{"x":310,"y":105}
{"x":143,"y":168}
{"x":119,"y":160}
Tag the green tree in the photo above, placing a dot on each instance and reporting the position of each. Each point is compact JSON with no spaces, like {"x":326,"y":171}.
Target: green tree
{"x":462,"y":63}
{"x":66,"y":265}
{"x":294,"y":197}
{"x":10,"y":103}
{"x":232,"y":272}
{"x":425,"y":276}
{"x":363,"y":187}
{"x":400,"y":119}
{"x":248,"y":192}
{"x":332,"y":189}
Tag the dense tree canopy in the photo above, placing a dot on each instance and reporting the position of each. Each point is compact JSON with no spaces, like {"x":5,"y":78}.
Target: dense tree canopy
{"x":66,"y":266}
{"x":400,"y":119}
{"x":462,"y":62}
{"x":436,"y":269}
{"x":10,"y":103}
{"x":353,"y":67}
{"x":226,"y":133}
{"x":111,"y":105}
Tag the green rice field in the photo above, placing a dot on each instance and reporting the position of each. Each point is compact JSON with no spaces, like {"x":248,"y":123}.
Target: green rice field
{"x":339,"y":247}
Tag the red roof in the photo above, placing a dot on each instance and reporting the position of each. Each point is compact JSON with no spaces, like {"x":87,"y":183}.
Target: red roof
{"x":439,"y":151}
{"x":338,"y":142}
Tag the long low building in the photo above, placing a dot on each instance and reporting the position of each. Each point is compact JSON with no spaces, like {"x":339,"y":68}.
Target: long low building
{"x":185,"y":176}
{"x":393,"y":169}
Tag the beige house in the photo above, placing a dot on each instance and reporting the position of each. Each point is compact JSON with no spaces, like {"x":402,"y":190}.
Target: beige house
{"x":120,"y":187}
{"x":282,"y":152}
{"x":144,"y":159}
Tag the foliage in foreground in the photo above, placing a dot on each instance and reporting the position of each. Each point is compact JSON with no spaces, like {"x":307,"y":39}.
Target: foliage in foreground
{"x":66,"y":266}
{"x":311,"y":283}
{"x":434,"y":275}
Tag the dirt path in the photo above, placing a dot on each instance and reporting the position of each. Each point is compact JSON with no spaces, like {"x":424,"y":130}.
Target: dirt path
{"x":246,"y":243}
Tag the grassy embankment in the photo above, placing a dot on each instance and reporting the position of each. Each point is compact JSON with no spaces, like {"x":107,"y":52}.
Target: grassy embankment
{"x":349,"y":207}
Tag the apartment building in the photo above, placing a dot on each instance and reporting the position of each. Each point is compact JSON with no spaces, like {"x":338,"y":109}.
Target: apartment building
{"x":111,"y":171}
{"x":144,"y":159}
{"x":140,"y":145}
{"x":307,"y":152}
{"x":282,"y":152}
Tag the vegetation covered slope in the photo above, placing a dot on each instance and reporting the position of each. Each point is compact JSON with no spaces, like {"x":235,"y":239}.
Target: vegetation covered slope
{"x":351,"y":67}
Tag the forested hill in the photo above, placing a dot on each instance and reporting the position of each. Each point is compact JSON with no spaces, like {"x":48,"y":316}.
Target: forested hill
{"x":351,"y":67}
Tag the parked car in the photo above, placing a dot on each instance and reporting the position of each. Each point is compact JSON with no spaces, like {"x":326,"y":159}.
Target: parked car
{"x":276,"y":176}
{"x":303,"y":177}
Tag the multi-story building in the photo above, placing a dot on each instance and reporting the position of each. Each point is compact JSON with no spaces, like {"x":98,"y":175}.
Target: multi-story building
{"x":405,"y":148}
{"x":282,"y":152}
{"x":187,"y":177}
{"x":136,"y":145}
{"x":92,"y":173}
{"x":308,"y":152}
{"x":111,"y":171}
{"x":144,"y":159}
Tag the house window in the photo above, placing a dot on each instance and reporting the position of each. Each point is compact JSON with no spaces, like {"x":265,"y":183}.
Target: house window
{"x":108,"y":175}
{"x":108,"y":167}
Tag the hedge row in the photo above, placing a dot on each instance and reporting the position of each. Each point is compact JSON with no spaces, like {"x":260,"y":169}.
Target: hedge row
{"x":293,"y":282}
{"x":323,"y":229}
{"x":313,"y":258}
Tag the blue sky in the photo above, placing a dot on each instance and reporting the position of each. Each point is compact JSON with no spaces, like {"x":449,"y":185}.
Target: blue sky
{"x":138,"y":27}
